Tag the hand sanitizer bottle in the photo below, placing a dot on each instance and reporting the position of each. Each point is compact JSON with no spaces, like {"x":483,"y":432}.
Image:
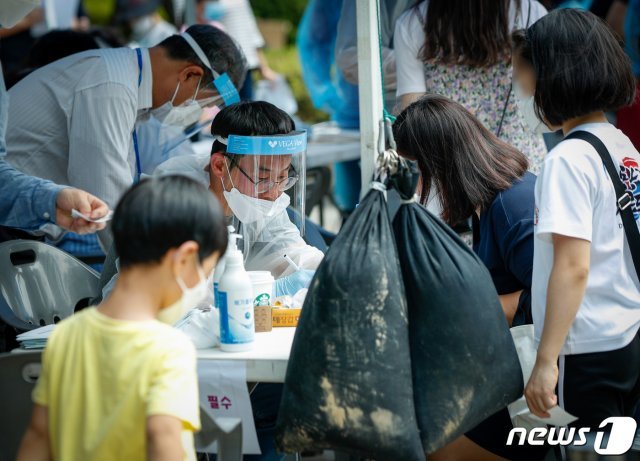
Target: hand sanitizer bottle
{"x":237,"y":328}
{"x":219,"y":271}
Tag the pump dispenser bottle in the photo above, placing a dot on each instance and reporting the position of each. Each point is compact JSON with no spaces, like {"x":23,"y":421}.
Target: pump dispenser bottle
{"x":237,"y":329}
{"x":219,"y":271}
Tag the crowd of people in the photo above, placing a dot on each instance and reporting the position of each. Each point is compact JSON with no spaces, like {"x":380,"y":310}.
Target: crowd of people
{"x":523,"y":118}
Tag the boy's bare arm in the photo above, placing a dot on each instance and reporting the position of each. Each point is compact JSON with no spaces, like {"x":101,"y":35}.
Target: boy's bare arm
{"x":35,"y":443}
{"x":164,"y":441}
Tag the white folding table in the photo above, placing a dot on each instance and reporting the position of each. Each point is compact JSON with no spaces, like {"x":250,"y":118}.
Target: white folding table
{"x":266,"y":362}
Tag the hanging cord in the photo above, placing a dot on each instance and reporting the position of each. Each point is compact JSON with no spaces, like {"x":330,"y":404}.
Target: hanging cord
{"x":506,"y":102}
{"x":387,"y":162}
{"x":386,"y":115}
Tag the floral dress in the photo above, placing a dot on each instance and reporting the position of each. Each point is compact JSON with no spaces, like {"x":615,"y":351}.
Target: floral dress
{"x":487,"y":93}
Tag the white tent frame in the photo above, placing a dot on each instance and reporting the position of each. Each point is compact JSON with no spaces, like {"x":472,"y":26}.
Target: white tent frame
{"x":369,"y":88}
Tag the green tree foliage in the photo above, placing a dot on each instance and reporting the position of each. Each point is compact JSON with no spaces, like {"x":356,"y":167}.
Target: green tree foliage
{"x":289,"y":10}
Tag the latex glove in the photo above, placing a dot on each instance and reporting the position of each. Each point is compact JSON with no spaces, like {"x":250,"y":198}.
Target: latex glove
{"x":293,"y":283}
{"x":70,"y":198}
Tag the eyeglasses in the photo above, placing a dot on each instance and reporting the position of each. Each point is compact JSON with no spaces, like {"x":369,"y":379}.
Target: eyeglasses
{"x":265,"y":185}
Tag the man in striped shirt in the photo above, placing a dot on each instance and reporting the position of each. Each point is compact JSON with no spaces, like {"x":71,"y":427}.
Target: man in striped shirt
{"x":73,"y":121}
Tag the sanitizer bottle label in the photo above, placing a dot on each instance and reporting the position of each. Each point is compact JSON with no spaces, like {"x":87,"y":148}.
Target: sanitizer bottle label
{"x":236,"y":319}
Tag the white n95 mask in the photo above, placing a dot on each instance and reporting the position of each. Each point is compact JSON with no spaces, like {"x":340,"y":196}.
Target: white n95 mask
{"x":184,"y":115}
{"x":250,"y":209}
{"x":527,"y":109}
{"x":12,"y":11}
{"x":190,"y":298}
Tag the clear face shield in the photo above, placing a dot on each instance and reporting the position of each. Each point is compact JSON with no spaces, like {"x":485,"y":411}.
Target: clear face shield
{"x":221,"y":91}
{"x":265,"y":186}
{"x":209,"y":97}
{"x":164,"y":129}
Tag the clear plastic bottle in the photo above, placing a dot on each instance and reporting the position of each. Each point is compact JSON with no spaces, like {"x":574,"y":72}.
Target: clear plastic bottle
{"x":237,"y":323}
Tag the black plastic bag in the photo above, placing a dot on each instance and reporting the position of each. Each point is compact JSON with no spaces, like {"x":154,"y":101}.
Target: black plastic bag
{"x":348,"y":384}
{"x":465,"y":365}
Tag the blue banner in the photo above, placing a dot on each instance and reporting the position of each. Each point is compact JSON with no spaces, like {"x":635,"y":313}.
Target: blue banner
{"x":288,"y":144}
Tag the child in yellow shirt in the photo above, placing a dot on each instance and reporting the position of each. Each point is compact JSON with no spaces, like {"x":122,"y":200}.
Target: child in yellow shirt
{"x":117,"y":383}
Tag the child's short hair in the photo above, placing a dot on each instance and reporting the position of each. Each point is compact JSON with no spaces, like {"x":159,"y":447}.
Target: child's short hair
{"x":159,"y":214}
{"x":579,"y":64}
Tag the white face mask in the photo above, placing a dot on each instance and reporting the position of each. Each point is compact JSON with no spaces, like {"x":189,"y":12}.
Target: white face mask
{"x":12,"y":11}
{"x":190,"y":298}
{"x":184,"y":115}
{"x":527,"y":109}
{"x":250,"y":209}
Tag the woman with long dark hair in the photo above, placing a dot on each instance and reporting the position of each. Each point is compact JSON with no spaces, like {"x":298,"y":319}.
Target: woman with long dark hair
{"x":476,"y":175}
{"x":462,"y":49}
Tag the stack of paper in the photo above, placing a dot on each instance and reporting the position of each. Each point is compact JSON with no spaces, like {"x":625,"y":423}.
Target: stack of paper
{"x":35,"y":339}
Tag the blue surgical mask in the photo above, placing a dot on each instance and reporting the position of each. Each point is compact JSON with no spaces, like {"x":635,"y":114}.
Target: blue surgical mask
{"x":214,"y":11}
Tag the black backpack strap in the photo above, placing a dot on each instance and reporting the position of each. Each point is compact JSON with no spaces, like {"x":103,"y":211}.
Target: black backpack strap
{"x":624,"y":198}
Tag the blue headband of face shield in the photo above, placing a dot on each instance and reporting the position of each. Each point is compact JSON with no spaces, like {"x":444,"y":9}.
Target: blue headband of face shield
{"x":286,"y":144}
{"x":223,"y":83}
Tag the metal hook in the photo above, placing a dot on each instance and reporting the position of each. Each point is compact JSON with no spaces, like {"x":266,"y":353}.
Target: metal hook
{"x":388,"y":160}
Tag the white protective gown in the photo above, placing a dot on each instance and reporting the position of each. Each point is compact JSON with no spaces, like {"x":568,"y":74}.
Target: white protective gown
{"x":266,"y":241}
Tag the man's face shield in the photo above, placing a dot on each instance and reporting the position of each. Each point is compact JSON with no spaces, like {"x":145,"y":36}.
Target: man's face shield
{"x":265,"y":175}
{"x":221,"y":91}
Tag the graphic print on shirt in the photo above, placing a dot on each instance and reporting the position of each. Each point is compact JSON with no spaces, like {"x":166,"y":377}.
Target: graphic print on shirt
{"x":630,"y":176}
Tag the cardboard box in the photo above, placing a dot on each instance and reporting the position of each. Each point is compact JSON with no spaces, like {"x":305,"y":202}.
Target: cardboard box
{"x":285,"y":317}
{"x":263,"y":319}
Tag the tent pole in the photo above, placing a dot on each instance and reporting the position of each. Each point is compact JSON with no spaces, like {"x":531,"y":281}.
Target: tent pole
{"x":369,"y":88}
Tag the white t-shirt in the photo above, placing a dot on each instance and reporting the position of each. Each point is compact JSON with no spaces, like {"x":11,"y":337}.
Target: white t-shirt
{"x":575,"y":198}
{"x":409,"y":39}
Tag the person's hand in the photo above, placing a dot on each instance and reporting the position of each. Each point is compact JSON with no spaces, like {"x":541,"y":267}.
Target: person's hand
{"x":83,"y":23}
{"x":540,"y":390}
{"x":85,"y":203}
{"x":293,"y":283}
{"x":269,"y":74}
